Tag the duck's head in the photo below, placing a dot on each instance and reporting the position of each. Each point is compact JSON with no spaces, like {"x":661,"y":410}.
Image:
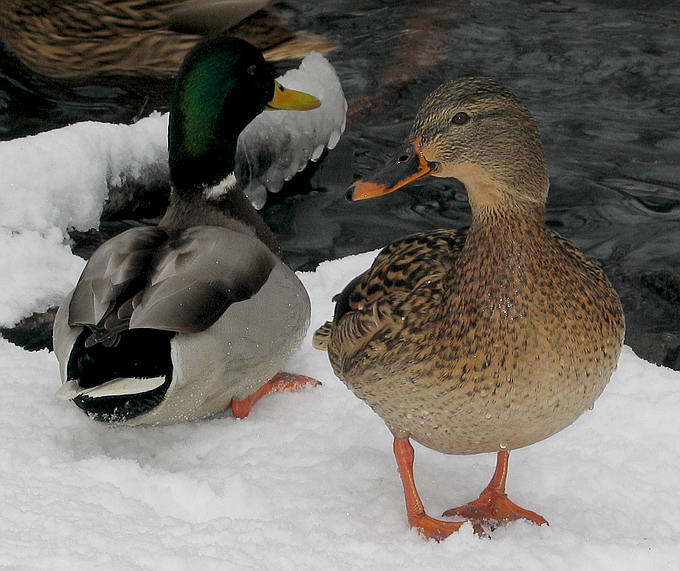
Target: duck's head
{"x":223,"y":84}
{"x":477,"y":131}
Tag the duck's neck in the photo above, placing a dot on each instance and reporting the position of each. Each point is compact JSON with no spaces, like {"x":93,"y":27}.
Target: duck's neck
{"x":194,"y":172}
{"x":202,"y":139}
{"x":503,"y":249}
{"x":231,"y":209}
{"x":517,"y":217}
{"x":502,"y":235}
{"x":505,"y":216}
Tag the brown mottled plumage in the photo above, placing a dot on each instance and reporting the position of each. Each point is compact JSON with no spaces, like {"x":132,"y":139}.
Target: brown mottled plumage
{"x":479,"y":341}
{"x":75,"y":38}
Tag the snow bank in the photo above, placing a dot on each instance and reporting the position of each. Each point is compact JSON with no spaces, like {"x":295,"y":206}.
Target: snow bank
{"x":308,"y":482}
{"x":54,"y":181}
{"x":276,"y":145}
{"x":59,"y":180}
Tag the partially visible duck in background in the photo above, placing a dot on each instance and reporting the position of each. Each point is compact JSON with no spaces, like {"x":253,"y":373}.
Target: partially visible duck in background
{"x":70,"y":39}
{"x":480,"y":341}
{"x":180,"y":321}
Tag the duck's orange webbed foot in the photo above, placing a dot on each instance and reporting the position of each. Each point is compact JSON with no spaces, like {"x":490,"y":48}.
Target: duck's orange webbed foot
{"x":427,"y":526}
{"x":278,"y":383}
{"x":431,"y":528}
{"x":493,"y":505}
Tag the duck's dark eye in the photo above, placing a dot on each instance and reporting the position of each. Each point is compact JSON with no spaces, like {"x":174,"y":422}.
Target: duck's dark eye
{"x":251,"y":69}
{"x":402,"y":158}
{"x":461,"y":118}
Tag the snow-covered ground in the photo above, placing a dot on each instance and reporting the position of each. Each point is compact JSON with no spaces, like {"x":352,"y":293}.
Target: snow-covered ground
{"x":308,"y":481}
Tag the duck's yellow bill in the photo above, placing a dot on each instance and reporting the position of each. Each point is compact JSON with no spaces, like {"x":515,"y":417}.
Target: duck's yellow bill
{"x":292,"y":100}
{"x":405,"y":167}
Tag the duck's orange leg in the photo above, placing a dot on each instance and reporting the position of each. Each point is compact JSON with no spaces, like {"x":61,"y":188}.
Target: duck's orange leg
{"x":427,"y":526}
{"x":493,"y":505}
{"x":278,"y":383}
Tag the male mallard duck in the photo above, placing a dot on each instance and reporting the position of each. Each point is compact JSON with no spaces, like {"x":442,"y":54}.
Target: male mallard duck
{"x":178,"y":321}
{"x":70,"y":39}
{"x":479,"y":341}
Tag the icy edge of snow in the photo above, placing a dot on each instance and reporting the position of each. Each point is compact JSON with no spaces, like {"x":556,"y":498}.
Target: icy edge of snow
{"x":278,"y":144}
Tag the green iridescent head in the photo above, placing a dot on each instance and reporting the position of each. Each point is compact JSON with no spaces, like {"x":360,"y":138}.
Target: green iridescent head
{"x":222,"y":85}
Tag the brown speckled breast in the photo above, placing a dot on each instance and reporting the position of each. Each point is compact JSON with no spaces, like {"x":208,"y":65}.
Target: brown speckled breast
{"x":474,"y":343}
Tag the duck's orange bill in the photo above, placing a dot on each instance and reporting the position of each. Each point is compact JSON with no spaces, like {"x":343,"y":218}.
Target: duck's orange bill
{"x":405,"y":167}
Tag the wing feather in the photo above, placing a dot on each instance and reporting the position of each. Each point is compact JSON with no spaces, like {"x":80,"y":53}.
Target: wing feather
{"x":400,"y":268}
{"x":404,"y":282}
{"x":117,"y":266}
{"x":198,"y":275}
{"x":210,"y":16}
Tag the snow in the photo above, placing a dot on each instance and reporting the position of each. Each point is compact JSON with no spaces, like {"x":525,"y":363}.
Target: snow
{"x":308,"y":481}
{"x":59,"y":180}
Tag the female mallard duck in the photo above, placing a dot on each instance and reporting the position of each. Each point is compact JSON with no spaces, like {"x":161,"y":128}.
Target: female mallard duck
{"x":479,"y":341}
{"x":70,"y":39}
{"x":178,"y":321}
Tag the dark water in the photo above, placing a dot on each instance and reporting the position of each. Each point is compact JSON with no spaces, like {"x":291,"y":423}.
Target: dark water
{"x":601,"y":77}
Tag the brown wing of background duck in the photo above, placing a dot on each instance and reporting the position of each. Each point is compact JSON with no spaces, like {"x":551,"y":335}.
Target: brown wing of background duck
{"x":68,"y":39}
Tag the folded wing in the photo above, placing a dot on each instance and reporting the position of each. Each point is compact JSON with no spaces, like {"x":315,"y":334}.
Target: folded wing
{"x":117,"y":270}
{"x":198,"y":275}
{"x":182,"y":281}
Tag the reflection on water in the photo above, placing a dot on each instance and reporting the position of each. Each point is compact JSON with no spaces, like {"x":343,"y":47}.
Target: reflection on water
{"x":601,"y":77}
